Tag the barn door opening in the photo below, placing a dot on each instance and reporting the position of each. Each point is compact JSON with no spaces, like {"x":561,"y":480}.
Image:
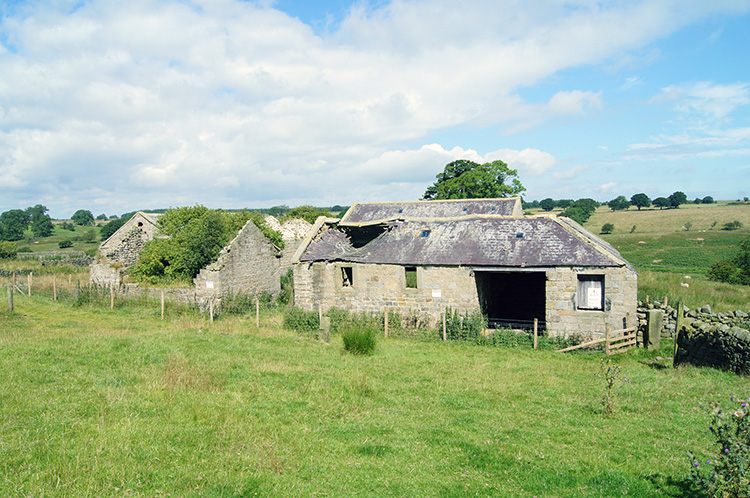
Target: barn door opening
{"x":512,"y":299}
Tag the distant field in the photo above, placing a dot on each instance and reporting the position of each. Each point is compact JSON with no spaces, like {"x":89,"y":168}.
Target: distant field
{"x":78,"y":237}
{"x":702,"y":217}
{"x":661,"y":240}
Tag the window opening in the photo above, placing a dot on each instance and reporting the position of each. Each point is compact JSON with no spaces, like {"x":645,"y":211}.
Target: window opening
{"x":411,"y":277}
{"x":425,"y":233}
{"x":347,"y":276}
{"x":591,"y":292}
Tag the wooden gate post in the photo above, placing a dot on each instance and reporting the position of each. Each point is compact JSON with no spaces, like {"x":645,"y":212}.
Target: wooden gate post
{"x":536,"y":331}
{"x":385,"y":322}
{"x":162,"y":304}
{"x":54,"y":288}
{"x":111,"y":297}
{"x":28,"y":278}
{"x":211,"y":310}
{"x":257,"y":312}
{"x":445,"y":335}
{"x":10,"y":297}
{"x":608,"y":339}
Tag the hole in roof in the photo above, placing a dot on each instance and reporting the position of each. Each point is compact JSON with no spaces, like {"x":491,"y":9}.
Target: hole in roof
{"x":519,"y":235}
{"x":425,"y":233}
{"x":400,"y":210}
{"x":466,"y":209}
{"x":493,"y":208}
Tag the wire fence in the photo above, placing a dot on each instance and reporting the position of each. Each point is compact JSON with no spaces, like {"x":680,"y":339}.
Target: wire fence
{"x":170,"y":303}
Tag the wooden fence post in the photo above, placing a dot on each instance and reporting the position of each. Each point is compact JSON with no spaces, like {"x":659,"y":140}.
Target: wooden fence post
{"x":385,"y":322}
{"x":10,"y":297}
{"x":111,"y":297}
{"x":257,"y":312}
{"x":536,"y":331}
{"x":607,"y":341}
{"x":28,"y":279}
{"x":445,"y":335}
{"x":162,"y":304}
{"x":211,"y":310}
{"x":666,"y":301}
{"x":54,"y":288}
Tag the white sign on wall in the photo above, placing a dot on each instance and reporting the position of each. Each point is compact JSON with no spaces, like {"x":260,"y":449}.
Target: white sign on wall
{"x":209,"y":284}
{"x":437,"y":293}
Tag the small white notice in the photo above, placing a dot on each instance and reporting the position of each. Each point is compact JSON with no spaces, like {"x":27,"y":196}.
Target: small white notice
{"x":209,"y":284}
{"x":594,"y":295}
{"x":437,"y":293}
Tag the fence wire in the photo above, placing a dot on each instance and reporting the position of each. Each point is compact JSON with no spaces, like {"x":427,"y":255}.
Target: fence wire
{"x":167,"y":303}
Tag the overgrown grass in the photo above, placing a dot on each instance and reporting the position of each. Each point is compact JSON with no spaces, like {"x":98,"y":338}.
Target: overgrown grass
{"x":111,"y":403}
{"x":720,"y":296}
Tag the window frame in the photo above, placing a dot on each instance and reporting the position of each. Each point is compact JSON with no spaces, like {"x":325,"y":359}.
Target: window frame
{"x":585,"y":286}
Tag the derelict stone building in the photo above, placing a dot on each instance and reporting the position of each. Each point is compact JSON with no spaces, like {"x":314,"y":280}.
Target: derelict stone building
{"x":478,"y":254}
{"x":123,"y":248}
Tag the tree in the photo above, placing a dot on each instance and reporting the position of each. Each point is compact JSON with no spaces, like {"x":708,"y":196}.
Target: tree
{"x":307,"y":213}
{"x":707,"y":200}
{"x":41,"y":223}
{"x":581,"y":210}
{"x":465,"y":179}
{"x":640,"y":201}
{"x":12,"y":224}
{"x":608,"y":228}
{"x":82,"y":217}
{"x":618,"y":203}
{"x":677,"y":198}
{"x":111,"y":227}
{"x":547,"y":204}
{"x":101,"y":217}
{"x":564,"y":203}
{"x":735,"y":270}
{"x":661,"y":202}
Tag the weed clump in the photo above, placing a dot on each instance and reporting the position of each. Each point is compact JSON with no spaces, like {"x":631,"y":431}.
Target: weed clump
{"x":727,"y":474}
{"x":359,"y":339}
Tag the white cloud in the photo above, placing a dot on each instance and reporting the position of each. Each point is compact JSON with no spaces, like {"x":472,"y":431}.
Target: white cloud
{"x":571,"y":173}
{"x":165,"y":102}
{"x":708,"y":100}
{"x":607,"y":187}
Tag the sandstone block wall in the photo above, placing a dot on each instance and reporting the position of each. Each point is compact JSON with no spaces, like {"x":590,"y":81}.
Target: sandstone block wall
{"x":318,"y":285}
{"x":248,"y":265}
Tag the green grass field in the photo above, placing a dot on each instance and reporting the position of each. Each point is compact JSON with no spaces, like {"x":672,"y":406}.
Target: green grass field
{"x":99,"y":403}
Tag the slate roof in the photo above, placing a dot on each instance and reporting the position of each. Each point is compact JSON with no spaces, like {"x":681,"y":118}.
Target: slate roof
{"x":369,"y":212}
{"x":478,"y":241}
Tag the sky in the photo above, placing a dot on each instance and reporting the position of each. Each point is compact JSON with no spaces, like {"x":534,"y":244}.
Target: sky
{"x":115,"y":106}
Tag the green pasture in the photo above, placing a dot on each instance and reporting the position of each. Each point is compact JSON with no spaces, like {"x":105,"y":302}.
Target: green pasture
{"x":100,"y":403}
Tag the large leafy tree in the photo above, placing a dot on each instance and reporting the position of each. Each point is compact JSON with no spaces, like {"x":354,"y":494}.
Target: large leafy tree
{"x":547,"y":204}
{"x":619,"y":203}
{"x":465,"y":179}
{"x":41,"y":223}
{"x":735,"y":270}
{"x":677,"y":198}
{"x":12,"y":224}
{"x":662,"y":202}
{"x":581,"y":210}
{"x":640,"y":201}
{"x":82,"y":217}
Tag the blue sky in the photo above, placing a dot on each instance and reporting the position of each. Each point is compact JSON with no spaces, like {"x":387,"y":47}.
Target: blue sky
{"x":112,"y":106}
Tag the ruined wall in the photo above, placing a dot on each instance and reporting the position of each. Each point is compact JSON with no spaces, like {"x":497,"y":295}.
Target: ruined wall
{"x":378,"y":286}
{"x":248,"y":265}
{"x":620,"y":294}
{"x":124,"y":246}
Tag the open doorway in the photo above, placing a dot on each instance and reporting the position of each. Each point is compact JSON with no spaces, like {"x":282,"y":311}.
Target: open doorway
{"x":512,"y":299}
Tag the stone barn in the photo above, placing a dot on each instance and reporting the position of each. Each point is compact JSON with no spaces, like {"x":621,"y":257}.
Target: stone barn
{"x":249,"y":264}
{"x":480,"y":254}
{"x":123,"y":248}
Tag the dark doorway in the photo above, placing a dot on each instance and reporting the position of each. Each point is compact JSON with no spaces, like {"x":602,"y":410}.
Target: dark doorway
{"x":512,"y":299}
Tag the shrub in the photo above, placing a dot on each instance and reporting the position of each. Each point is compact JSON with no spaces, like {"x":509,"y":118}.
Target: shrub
{"x":468,"y":327}
{"x":608,"y":228}
{"x":8,"y":250}
{"x":614,"y":379}
{"x":359,"y":339}
{"x":64,"y":244}
{"x":727,"y":474}
{"x":732,"y":225}
{"x":287,"y":288}
{"x":300,"y":320}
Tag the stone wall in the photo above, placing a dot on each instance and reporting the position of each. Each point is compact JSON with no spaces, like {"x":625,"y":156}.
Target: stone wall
{"x":248,"y":265}
{"x":703,"y":316}
{"x":376,"y":286}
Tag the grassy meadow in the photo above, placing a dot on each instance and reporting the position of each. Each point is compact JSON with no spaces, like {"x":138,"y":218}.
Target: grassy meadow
{"x":100,"y":403}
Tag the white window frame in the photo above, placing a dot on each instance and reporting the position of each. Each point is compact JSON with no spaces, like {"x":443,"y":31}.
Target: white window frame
{"x":590,"y":295}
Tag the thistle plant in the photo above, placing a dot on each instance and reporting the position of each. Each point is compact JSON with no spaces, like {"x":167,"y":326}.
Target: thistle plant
{"x":727,"y":474}
{"x":614,"y":380}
